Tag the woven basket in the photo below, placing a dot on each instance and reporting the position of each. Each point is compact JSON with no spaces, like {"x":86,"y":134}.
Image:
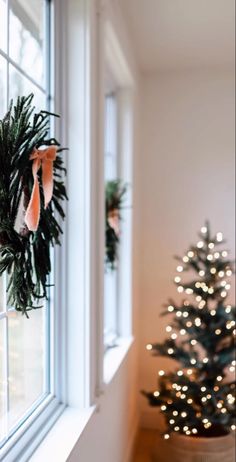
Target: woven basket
{"x":180,"y":448}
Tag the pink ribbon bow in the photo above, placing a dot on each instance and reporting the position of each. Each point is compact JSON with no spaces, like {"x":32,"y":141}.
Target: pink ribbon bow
{"x":44,"y":158}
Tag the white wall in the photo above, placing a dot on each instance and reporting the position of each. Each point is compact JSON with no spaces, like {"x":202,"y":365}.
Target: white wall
{"x":185,"y":175}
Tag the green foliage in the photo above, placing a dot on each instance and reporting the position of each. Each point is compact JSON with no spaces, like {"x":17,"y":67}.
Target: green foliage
{"x":115,"y":192}
{"x":25,"y":255}
{"x":199,"y":398}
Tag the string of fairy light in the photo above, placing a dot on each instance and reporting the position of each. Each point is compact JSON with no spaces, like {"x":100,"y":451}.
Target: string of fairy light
{"x":216,"y":288}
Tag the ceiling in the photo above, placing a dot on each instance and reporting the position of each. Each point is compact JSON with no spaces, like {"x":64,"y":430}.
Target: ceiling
{"x":174,"y":34}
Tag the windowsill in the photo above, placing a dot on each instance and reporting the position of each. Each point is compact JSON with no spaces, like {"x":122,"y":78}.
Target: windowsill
{"x":114,"y":357}
{"x":55,"y":445}
{"x":73,"y":421}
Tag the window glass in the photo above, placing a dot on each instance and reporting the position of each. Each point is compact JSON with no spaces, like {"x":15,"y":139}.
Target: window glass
{"x":27,"y":36}
{"x":3,"y":86}
{"x":3,"y":25}
{"x":110,"y":172}
{"x":25,"y":352}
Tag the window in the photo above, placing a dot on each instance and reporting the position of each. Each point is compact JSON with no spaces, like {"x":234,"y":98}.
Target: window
{"x":26,"y":352}
{"x":111,"y":173}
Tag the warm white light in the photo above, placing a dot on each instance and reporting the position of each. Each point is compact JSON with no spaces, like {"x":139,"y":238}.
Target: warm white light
{"x":198,"y":298}
{"x":204,"y":230}
{"x":209,"y":257}
{"x":216,"y":255}
{"x":175,"y":413}
{"x":223,"y":294}
{"x":170,"y":308}
{"x":183,"y":414}
{"x":229,"y":272}
{"x":185,"y":388}
{"x":161,"y":373}
{"x":224,"y":253}
{"x":193,"y":342}
{"x":178,"y":314}
{"x":172,"y":421}
{"x":189,"y":324}
{"x":149,"y":346}
{"x":185,"y":314}
{"x":219,"y":405}
{"x":174,"y":336}
{"x":228,"y":309}
{"x":180,"y":289}
{"x":223,"y":410}
{"x":156,"y":394}
{"x":203,"y":389}
{"x":233,"y":427}
{"x":190,"y":254}
{"x":219,"y":237}
{"x":179,"y":269}
{"x":189,"y":291}
{"x":210,"y":290}
{"x":221,"y":274}
{"x":179,"y":373}
{"x":202,"y":304}
{"x":185,"y":259}
{"x":201,"y":273}
{"x":211,"y":245}
{"x":177,"y":279}
{"x":218,"y":331}
{"x":231,"y":368}
{"x":168,"y":328}
{"x":185,"y":428}
{"x":163,"y":408}
{"x":193,"y":361}
{"x":182,"y":332}
{"x":170,"y":351}
{"x":189,"y":371}
{"x":219,"y":378}
{"x":166,"y":436}
{"x":176,"y":429}
{"x":200,"y":244}
{"x":205,"y":360}
{"x":194,"y":430}
{"x":190,"y":401}
{"x":213,"y":312}
{"x":213,"y":270}
{"x":188,"y":432}
{"x":198,"y":322}
{"x":227,"y":287}
{"x":209,"y":396}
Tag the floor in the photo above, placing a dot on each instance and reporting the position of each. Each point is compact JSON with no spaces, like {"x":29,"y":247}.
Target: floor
{"x":146,"y":441}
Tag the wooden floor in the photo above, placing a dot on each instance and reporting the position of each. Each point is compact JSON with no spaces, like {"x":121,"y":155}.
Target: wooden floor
{"x":146,"y":441}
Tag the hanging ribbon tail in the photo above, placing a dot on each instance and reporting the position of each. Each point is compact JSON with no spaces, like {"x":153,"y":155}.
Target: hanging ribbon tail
{"x":47,"y":174}
{"x":32,"y":213}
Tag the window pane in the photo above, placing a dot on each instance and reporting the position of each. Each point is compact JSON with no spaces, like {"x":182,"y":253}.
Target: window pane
{"x":3,"y":25}
{"x":21,"y":86}
{"x":110,"y":303}
{"x":2,"y":401}
{"x":27,"y":370}
{"x":3,"y":85}
{"x":27,"y":35}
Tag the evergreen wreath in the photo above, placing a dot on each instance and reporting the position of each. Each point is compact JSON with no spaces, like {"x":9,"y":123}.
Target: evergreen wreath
{"x":115,"y":192}
{"x":24,"y":252}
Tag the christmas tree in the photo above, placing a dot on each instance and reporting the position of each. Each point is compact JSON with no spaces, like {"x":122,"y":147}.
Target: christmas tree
{"x":198,"y":398}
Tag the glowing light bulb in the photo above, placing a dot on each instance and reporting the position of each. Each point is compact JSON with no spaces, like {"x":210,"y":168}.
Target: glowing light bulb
{"x":189,"y":324}
{"x":223,"y":293}
{"x":163,"y":408}
{"x":211,"y":245}
{"x":218,"y":331}
{"x":204,"y":230}
{"x":198,"y":322}
{"x":189,"y":371}
{"x":174,"y":336}
{"x":190,"y":254}
{"x":221,"y":274}
{"x":180,"y":289}
{"x":232,"y":369}
{"x":185,"y":388}
{"x":210,"y":290}
{"x":168,"y":328}
{"x":205,"y":360}
{"x":156,"y":394}
{"x":216,"y":255}
{"x":202,"y":304}
{"x":224,"y":253}
{"x":194,"y":430}
{"x":200,"y":244}
{"x":209,"y":396}
{"x":213,"y":312}
{"x":176,"y":429}
{"x":170,"y":308}
{"x":189,"y":291}
{"x":219,"y":405}
{"x":177,"y":279}
{"x":170,"y":351}
{"x":193,"y":361}
{"x":228,"y":309}
{"x":166,"y":436}
{"x":182,"y":331}
{"x":233,"y":427}
{"x":185,"y":314}
{"x":229,"y":272}
{"x":219,"y":378}
{"x":184,"y":414}
{"x":223,"y":410}
{"x":179,"y":269}
{"x":209,"y":257}
{"x":188,"y":432}
{"x":190,"y":401}
{"x":149,"y":346}
{"x":178,"y":314}
{"x":213,"y":270}
{"x":185,"y":259}
{"x":193,"y":342}
{"x":161,"y":373}
{"x":180,"y":373}
{"x":219,"y":237}
{"x":172,"y":421}
{"x":175,"y":413}
{"x":185,"y":428}
{"x":201,"y":273}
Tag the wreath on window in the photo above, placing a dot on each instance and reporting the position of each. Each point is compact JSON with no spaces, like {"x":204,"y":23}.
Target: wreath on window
{"x":31,"y":191}
{"x":115,"y":192}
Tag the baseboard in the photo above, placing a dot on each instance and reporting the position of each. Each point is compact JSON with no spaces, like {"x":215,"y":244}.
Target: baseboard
{"x":133,"y":437}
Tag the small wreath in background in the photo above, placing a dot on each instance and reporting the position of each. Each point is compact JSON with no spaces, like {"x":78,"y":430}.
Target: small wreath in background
{"x":115,"y":192}
{"x":31,"y":191}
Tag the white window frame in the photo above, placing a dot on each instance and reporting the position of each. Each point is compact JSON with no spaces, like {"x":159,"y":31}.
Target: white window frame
{"x":25,"y":439}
